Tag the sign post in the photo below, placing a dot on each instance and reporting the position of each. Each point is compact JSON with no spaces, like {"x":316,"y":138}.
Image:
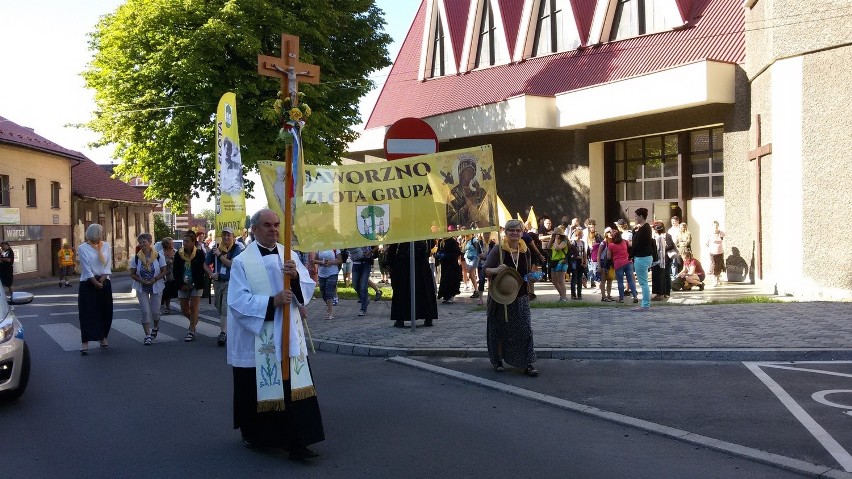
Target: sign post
{"x":409,"y":137}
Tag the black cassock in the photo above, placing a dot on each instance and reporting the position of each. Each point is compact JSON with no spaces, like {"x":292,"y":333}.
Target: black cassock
{"x":424,"y":282}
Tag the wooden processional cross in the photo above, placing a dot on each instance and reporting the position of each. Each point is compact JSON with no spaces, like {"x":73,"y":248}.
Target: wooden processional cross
{"x":290,"y":70}
{"x":755,"y":155}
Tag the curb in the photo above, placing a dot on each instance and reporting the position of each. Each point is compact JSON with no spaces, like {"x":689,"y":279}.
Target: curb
{"x":696,"y":354}
{"x":776,"y":460}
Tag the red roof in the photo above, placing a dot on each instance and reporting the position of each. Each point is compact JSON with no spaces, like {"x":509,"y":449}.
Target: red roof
{"x":715,"y":33}
{"x":90,"y":180}
{"x":14,"y":134}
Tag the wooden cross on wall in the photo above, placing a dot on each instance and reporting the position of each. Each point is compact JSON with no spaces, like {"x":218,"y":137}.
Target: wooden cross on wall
{"x":288,"y":68}
{"x":755,"y":155}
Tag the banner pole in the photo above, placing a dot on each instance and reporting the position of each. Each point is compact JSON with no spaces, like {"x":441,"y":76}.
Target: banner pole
{"x":412,"y":289}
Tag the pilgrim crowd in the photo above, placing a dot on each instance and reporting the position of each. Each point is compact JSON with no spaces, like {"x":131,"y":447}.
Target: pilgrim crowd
{"x":277,"y":407}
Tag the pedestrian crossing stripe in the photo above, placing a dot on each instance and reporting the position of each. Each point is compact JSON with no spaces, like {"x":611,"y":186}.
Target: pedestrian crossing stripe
{"x":135,"y":331}
{"x":67,"y":335}
{"x":202,"y":328}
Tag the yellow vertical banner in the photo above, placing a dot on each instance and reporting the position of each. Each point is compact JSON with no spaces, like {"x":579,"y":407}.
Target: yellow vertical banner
{"x":422,"y":197}
{"x":230,"y":198}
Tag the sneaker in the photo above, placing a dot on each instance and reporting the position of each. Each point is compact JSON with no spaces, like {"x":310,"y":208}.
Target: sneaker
{"x":67,"y":284}
{"x":222,"y":339}
{"x":362,"y":313}
{"x":635,"y":299}
{"x":147,"y":341}
{"x":334,"y":301}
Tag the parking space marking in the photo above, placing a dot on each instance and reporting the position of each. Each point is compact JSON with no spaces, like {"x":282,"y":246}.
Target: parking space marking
{"x":828,"y":442}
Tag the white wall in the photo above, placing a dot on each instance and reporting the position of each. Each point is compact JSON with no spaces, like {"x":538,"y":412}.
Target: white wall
{"x":786,"y":234}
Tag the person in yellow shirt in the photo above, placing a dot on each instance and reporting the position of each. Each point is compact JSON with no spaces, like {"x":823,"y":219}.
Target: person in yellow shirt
{"x":66,"y":264}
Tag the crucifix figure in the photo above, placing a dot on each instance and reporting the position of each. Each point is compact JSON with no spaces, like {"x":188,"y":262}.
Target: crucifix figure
{"x":755,"y":155}
{"x":290,"y":70}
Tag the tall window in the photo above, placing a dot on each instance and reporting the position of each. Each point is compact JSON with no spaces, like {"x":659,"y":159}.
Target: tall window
{"x":638,"y":17}
{"x":54,"y":194}
{"x":4,"y":190}
{"x":488,"y":51}
{"x":440,"y":56}
{"x":31,"y":192}
{"x":647,"y":168}
{"x":119,"y":227}
{"x":706,"y":161}
{"x":552,"y":33}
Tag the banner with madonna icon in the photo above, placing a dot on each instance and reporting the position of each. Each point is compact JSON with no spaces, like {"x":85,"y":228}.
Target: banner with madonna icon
{"x":422,"y":197}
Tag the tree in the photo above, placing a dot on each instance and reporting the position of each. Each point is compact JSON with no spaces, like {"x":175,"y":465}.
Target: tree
{"x":161,"y":229}
{"x":159,"y":68}
{"x":207,"y":214}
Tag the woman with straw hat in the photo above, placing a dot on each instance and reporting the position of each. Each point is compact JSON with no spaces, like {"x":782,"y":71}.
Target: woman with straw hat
{"x":509,"y":332}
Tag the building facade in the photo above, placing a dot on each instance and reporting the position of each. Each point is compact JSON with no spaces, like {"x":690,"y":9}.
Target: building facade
{"x":597,"y":107}
{"x":35,"y":198}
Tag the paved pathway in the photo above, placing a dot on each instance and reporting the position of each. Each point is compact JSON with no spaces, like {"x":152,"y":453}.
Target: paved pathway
{"x":683,"y":328}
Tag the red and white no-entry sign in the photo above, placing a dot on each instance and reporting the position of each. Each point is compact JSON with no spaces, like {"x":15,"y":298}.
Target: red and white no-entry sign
{"x":410,"y":137}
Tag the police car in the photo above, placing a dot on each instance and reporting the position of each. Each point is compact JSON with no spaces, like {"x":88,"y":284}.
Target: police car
{"x":14,"y":354}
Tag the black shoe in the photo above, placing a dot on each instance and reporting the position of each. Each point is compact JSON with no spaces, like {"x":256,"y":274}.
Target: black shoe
{"x":427,"y":323}
{"x":700,"y":286}
{"x":222,"y":339}
{"x":531,"y":371}
{"x":299,"y":453}
{"x":398,"y":324}
{"x":249,"y":445}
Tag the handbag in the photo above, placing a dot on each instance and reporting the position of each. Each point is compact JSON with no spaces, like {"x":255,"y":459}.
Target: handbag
{"x":610,"y":273}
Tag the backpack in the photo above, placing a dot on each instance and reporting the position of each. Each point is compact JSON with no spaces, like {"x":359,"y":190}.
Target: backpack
{"x":358,"y":254}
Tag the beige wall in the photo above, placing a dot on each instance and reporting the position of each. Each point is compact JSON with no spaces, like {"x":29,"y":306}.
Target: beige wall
{"x":20,"y":164}
{"x":119,"y":221}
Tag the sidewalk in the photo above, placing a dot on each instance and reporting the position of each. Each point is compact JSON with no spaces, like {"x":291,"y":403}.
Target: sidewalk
{"x":682,"y":328}
{"x":685,"y":327}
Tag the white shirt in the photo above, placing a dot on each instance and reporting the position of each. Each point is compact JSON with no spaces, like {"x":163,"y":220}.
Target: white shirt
{"x":247,"y":310}
{"x":90,"y":262}
{"x":159,"y":264}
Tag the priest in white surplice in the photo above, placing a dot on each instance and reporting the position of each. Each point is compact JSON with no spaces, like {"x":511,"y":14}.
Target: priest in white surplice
{"x":273,"y":406}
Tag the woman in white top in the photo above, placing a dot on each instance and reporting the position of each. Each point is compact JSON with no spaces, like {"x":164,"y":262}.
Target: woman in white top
{"x":147,"y":269}
{"x":94,"y":302}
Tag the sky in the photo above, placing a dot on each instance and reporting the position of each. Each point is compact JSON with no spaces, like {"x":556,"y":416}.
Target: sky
{"x":45,"y":48}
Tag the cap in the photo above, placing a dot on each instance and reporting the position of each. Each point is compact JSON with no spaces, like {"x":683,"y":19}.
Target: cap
{"x":608,"y":230}
{"x":228,"y":230}
{"x":621,"y":222}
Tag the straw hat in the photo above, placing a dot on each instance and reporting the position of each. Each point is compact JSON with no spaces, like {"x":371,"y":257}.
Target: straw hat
{"x":505,"y":286}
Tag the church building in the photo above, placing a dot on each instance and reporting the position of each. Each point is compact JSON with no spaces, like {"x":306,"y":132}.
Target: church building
{"x":711,"y":110}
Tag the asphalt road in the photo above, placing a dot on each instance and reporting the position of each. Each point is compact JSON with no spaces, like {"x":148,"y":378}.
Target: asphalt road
{"x":165,"y":411}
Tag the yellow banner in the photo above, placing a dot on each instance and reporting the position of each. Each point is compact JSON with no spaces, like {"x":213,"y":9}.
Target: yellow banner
{"x":231,"y":200}
{"x":429,"y":196}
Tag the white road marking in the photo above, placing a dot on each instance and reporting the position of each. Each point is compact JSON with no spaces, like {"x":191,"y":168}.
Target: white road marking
{"x":135,"y":331}
{"x":21,"y":316}
{"x":203,"y":328}
{"x":807,"y":370}
{"x":828,"y":442}
{"x":819,"y":397}
{"x":66,"y":313}
{"x":66,"y":335}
